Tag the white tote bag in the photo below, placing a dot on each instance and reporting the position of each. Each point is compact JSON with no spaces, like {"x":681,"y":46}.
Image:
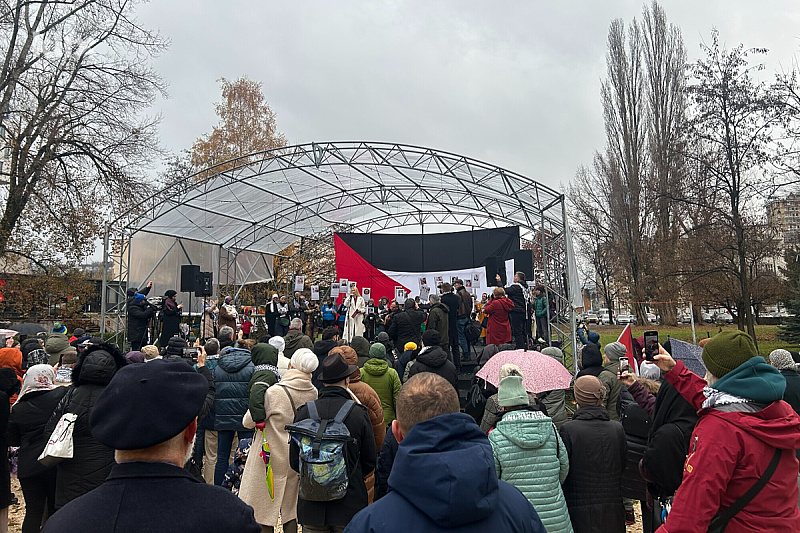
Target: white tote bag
{"x":59,"y":445}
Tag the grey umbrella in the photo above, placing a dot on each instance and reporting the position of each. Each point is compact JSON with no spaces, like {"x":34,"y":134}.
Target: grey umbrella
{"x":27,"y":328}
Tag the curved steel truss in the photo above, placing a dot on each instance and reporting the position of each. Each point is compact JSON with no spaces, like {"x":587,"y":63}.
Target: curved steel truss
{"x":264,"y":202}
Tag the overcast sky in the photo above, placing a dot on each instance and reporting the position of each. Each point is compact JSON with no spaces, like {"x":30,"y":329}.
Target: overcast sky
{"x":514,"y":83}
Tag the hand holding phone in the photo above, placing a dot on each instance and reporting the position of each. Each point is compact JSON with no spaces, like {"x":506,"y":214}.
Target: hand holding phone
{"x":650,"y":345}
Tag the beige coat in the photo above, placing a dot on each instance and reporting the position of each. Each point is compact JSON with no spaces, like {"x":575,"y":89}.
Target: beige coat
{"x":253,"y":488}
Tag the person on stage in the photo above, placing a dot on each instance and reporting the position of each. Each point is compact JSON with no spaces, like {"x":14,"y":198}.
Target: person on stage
{"x":170,"y":317}
{"x":354,"y":317}
{"x":139,"y":315}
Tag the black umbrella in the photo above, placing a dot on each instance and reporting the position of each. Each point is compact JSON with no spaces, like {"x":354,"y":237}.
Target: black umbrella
{"x":27,"y":328}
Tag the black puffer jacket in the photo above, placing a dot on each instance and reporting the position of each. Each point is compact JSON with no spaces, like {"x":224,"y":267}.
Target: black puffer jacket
{"x":91,"y":462}
{"x":26,"y":427}
{"x":407,"y":327}
{"x":597,"y":454}
{"x":435,"y":360}
{"x":636,"y":423}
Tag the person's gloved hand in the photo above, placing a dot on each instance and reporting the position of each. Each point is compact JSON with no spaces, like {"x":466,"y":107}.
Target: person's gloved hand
{"x":261,"y":425}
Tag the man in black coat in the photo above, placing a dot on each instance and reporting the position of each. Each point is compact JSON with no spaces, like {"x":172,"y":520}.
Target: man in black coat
{"x":433,"y":359}
{"x":330,"y":338}
{"x":439,"y":319}
{"x":450,"y":299}
{"x":407,"y":325}
{"x":148,"y":414}
{"x":139,"y":314}
{"x":271,"y":315}
{"x":519,"y":293}
{"x":360,"y":453}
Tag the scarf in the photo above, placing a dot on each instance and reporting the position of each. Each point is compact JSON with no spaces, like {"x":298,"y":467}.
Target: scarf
{"x":271,"y":368}
{"x":526,"y":292}
{"x":38,"y":377}
{"x":715,"y":398}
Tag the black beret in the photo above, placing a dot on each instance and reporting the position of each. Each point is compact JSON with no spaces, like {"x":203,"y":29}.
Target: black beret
{"x":147,"y":404}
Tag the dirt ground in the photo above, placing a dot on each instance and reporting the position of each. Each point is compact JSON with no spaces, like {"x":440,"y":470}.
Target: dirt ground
{"x":637,"y":527}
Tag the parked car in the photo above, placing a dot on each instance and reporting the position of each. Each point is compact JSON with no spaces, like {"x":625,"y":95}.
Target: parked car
{"x":591,"y":318}
{"x":684,"y":318}
{"x":605,"y":319}
{"x":623,"y":320}
{"x":707,"y":318}
{"x":725,"y":318}
{"x":652,"y":318}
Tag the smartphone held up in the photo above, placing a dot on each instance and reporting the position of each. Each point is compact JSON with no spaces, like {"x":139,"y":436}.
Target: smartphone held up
{"x":650,"y":345}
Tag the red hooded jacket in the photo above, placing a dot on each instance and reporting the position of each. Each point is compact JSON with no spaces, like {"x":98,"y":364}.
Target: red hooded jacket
{"x":498,"y":328}
{"x":728,"y":453}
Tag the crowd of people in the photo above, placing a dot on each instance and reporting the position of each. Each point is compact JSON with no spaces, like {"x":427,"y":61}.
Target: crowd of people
{"x":338,"y":432}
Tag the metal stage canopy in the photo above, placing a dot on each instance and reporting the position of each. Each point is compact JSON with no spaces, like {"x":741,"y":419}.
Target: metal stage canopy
{"x":261,"y":203}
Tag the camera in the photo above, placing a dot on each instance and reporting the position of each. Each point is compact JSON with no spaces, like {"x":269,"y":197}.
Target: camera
{"x":190,"y":353}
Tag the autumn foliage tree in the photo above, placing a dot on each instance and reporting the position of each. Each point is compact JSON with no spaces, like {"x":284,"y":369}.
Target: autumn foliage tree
{"x":246,"y":125}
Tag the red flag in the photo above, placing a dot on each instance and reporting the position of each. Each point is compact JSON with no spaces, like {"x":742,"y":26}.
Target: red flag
{"x":626,"y":338}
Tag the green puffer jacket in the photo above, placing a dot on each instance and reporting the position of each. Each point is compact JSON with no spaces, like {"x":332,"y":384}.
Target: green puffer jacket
{"x":377,"y":374}
{"x":529,"y":454}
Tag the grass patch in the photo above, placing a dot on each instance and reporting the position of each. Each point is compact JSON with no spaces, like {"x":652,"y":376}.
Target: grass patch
{"x":766,"y":336}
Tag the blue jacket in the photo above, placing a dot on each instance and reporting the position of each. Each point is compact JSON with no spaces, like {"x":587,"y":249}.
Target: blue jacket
{"x":231,"y":378}
{"x":328,"y":312}
{"x":443,"y":479}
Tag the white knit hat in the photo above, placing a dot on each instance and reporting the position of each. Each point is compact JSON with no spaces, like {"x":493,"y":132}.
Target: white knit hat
{"x":509,"y":369}
{"x":782,"y":360}
{"x":304,"y":360}
{"x":278,"y":343}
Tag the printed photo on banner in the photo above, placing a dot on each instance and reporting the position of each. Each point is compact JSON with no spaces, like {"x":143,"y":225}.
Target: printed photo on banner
{"x":453,"y":280}
{"x":299,"y":283}
{"x":365,"y":293}
{"x":439,"y":280}
{"x":468,"y":283}
{"x":343,"y":284}
{"x":315,"y":293}
{"x":476,"y":281}
{"x":424,"y":293}
{"x":423,"y":281}
{"x":352,"y":284}
{"x":400,"y":295}
{"x":334,"y":290}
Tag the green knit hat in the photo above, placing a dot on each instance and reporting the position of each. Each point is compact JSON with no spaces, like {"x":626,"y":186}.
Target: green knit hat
{"x":727,"y":350}
{"x":511,"y":393}
{"x":377,"y":351}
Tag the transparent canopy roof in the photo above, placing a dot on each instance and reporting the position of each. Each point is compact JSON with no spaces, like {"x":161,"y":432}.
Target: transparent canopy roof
{"x":267,"y":201}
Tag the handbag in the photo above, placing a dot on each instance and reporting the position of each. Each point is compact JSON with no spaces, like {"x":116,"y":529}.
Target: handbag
{"x":284,"y":321}
{"x":59,"y":445}
{"x":720,"y":520}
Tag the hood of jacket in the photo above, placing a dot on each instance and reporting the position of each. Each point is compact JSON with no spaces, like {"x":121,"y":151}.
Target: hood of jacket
{"x":234,"y":359}
{"x":777,"y":425}
{"x":361,"y":346}
{"x":322,"y":348}
{"x":441,"y":306}
{"x":376,"y":367}
{"x":97,"y":364}
{"x":264,"y":354}
{"x":296,"y":339}
{"x":466,"y":490}
{"x":755,"y":380}
{"x":526,"y":429}
{"x":434,"y":357}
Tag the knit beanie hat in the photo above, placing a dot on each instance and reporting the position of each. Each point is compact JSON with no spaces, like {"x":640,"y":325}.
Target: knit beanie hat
{"x":150,"y":352}
{"x":431,"y":337}
{"x":304,"y":360}
{"x":59,"y":328}
{"x":410,"y":346}
{"x":589,"y":390}
{"x":727,"y":350}
{"x":782,"y":360}
{"x":590,"y":356}
{"x":615,"y":350}
{"x":377,"y":351}
{"x":511,"y":392}
{"x":509,"y":369}
{"x":554,"y":352}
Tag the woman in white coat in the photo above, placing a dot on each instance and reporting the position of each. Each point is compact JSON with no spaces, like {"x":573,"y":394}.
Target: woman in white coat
{"x":280,"y":403}
{"x":354,"y":322}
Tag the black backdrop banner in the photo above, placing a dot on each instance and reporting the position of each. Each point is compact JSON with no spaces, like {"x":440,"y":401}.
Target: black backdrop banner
{"x":434,"y":252}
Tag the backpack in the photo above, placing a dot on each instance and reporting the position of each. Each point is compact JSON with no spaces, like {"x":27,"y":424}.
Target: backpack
{"x":476,"y":403}
{"x":472,"y":331}
{"x":323,"y":468}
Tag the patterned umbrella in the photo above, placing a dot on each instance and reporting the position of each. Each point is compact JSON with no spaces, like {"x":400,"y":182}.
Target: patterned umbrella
{"x":691,"y":355}
{"x":540,"y":372}
{"x":265,"y":455}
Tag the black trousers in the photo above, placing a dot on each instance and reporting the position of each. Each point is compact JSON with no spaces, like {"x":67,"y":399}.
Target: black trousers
{"x":517,"y":321}
{"x":40,"y":496}
{"x":543,"y":328}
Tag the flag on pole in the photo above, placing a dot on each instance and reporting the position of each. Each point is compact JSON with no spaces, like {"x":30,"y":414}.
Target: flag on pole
{"x":626,"y":338}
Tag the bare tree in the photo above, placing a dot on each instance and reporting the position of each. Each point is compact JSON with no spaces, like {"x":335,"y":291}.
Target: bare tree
{"x":733,"y":125}
{"x":665,"y":87}
{"x":624,"y":161}
{"x":75,"y":80}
